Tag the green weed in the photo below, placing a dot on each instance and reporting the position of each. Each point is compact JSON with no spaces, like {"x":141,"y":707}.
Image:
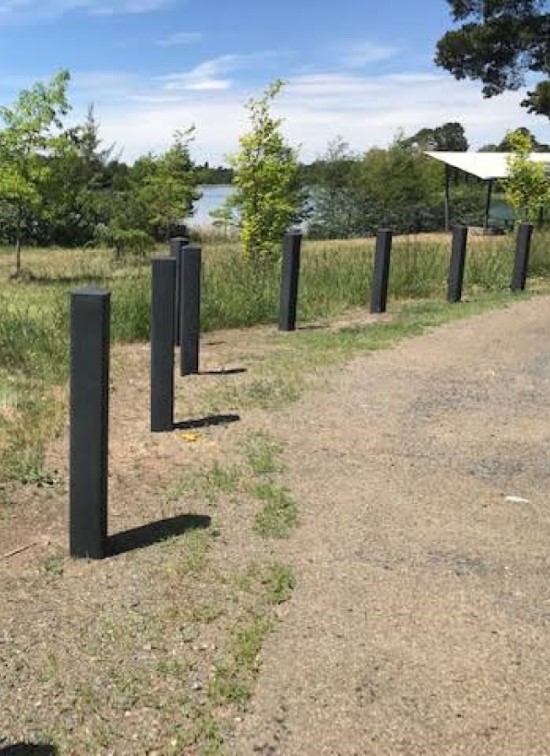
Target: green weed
{"x":279,"y":514}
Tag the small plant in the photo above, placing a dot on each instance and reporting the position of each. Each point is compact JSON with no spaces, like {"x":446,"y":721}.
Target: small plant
{"x":127,"y":244}
{"x":279,"y":514}
{"x":279,"y":581}
{"x":263,"y":454}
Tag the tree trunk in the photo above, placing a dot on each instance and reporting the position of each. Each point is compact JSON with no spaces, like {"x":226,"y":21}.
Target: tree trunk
{"x":18,"y":246}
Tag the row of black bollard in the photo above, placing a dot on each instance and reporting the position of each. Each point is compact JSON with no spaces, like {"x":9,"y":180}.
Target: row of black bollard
{"x":175,"y":318}
{"x":175,"y":321}
{"x":382,"y":255}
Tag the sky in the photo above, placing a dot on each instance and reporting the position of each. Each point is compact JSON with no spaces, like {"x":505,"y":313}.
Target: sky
{"x":359,"y":69}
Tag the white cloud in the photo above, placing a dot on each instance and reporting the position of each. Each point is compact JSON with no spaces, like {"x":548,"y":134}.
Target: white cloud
{"x":180,"y":38}
{"x":358,"y":55}
{"x":31,"y":10}
{"x":207,"y":76}
{"x":140,"y":115}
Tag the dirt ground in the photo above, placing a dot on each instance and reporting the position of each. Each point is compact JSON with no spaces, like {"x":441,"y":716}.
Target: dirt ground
{"x":420,"y":620}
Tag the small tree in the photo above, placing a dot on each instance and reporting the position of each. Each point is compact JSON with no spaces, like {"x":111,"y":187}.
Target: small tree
{"x":31,"y":136}
{"x":337,"y":209}
{"x":167,"y":187}
{"x":527,"y":185}
{"x":268,"y":196}
{"x":158,"y":192}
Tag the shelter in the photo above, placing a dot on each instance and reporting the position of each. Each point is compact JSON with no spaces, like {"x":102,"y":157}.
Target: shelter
{"x":487,"y":166}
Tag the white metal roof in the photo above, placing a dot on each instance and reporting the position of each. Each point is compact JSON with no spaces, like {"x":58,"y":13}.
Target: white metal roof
{"x":484,"y":165}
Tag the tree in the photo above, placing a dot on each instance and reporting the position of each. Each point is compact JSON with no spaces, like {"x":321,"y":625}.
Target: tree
{"x":337,"y":208}
{"x":506,"y":146}
{"x":32,"y":134}
{"x":498,"y":43}
{"x":160,"y":191}
{"x":450,"y":137}
{"x":268,"y":195}
{"x":527,"y":185}
{"x":168,"y":194}
{"x":78,"y":192}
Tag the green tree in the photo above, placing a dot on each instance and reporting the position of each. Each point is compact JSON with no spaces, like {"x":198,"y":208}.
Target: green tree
{"x":337,"y":206}
{"x":527,"y":185}
{"x":399,"y":185}
{"x":505,"y":145}
{"x":499,"y":42}
{"x":449,"y":137}
{"x":32,"y":135}
{"x":268,"y":196}
{"x":78,"y":191}
{"x":161,"y":191}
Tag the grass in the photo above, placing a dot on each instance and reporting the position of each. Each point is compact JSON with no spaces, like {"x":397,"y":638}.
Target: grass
{"x":279,"y":513}
{"x":292,"y":363}
{"x":263,"y":454}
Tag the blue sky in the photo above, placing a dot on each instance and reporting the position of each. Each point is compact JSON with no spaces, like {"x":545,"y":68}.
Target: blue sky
{"x":356,"y":68}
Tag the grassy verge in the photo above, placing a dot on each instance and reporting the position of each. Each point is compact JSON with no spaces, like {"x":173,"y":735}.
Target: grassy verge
{"x":294,"y":362}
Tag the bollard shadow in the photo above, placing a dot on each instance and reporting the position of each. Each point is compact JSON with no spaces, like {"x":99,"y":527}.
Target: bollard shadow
{"x":83,"y":280}
{"x":312,"y":327}
{"x":154,"y":532}
{"x":28,"y":749}
{"x":222,"y":371}
{"x":207,"y":422}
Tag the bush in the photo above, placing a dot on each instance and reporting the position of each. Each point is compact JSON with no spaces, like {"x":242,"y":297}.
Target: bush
{"x":127,"y":244}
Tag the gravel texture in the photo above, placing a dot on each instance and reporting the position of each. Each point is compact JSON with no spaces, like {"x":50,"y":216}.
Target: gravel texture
{"x":421,"y":620}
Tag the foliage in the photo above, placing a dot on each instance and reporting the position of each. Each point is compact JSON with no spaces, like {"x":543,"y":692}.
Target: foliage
{"x":527,"y":185}
{"x":126,"y":244}
{"x":32,"y":133}
{"x":336,"y":211}
{"x":165,"y":187}
{"x":208,"y":175}
{"x":505,"y":144}
{"x":498,"y":43}
{"x":268,"y":195}
{"x":398,"y":187}
{"x":449,"y":137}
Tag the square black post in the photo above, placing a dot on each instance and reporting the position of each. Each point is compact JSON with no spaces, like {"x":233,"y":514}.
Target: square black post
{"x":289,"y":281}
{"x":190,"y":307}
{"x":176,"y":246}
{"x":89,"y":413}
{"x":381,"y":275}
{"x":163,"y":286}
{"x":521,"y":264}
{"x":458,"y":261}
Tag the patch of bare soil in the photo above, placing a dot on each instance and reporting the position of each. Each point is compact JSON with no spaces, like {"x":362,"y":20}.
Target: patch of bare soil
{"x":421,"y":620}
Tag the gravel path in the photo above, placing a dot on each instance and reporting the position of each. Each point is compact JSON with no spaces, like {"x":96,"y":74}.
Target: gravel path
{"x":421,"y":620}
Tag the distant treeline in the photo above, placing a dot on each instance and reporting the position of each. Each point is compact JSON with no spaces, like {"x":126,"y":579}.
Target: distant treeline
{"x":60,"y":184}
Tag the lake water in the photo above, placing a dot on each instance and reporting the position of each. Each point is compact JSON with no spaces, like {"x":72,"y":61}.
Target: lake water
{"x":212,"y":198}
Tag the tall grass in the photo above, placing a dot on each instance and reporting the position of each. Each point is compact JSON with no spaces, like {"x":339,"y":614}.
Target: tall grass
{"x":335,"y":277}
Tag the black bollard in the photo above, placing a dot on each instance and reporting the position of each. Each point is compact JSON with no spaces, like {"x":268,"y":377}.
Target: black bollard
{"x":190,"y":308}
{"x":162,"y":343}
{"x":458,"y":261}
{"x":89,"y":416}
{"x":521,"y":264}
{"x":289,"y":281}
{"x":381,"y":275}
{"x":176,"y":246}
